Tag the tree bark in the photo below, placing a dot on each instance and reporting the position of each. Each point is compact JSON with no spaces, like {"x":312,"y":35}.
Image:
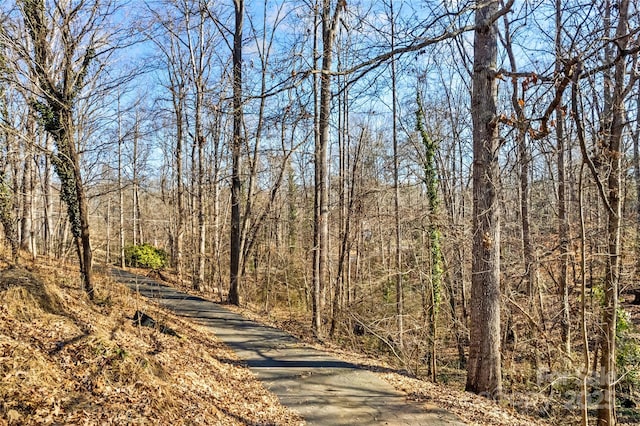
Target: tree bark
{"x":27,"y":233}
{"x":563,"y":218}
{"x":196,"y":56}
{"x":484,"y":375}
{"x":135,"y":218}
{"x":396,"y":191}
{"x":613,"y":153}
{"x":8,"y":196}
{"x":321,"y":222}
{"x":47,"y":200}
{"x":315,"y":280}
{"x":236,"y":184}
{"x":436,"y":272}
{"x":613,"y":130}
{"x":120,"y":190}
{"x":58,"y":94}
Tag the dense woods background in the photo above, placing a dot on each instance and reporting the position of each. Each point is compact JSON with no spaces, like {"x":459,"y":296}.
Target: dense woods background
{"x":454,"y":184}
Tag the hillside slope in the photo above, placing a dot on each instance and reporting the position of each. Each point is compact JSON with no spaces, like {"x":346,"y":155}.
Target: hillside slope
{"x":65,"y":360}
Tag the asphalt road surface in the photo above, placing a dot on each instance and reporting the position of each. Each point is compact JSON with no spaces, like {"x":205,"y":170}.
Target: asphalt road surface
{"x":322,"y":389}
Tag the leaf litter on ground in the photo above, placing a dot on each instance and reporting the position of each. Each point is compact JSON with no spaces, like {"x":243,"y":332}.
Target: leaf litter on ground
{"x":67,"y":360}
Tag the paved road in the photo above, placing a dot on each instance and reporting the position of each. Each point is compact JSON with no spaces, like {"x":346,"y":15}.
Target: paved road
{"x":323,"y":389}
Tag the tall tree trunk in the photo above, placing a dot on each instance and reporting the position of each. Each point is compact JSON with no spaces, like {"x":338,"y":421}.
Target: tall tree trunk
{"x":523,"y":126}
{"x":316,"y":308}
{"x":396,"y":189}
{"x":452,"y":185}
{"x":197,"y":59}
{"x":236,"y":184}
{"x":436,"y":272}
{"x":8,"y":196}
{"x":59,"y":123}
{"x":524,"y":162}
{"x":253,"y":224}
{"x":321,"y":192}
{"x":120,"y":190}
{"x":563,"y":217}
{"x":613,"y":154}
{"x":27,"y":233}
{"x":343,"y":215}
{"x":138,"y":236}
{"x":215,"y":208}
{"x":529,"y":254}
{"x":71,"y":177}
{"x":47,"y":200}
{"x":636,"y":176}
{"x":345,"y":245}
{"x":107,"y":221}
{"x":484,"y":374}
{"x":584,"y":394}
{"x":199,"y":279}
{"x":614,"y":127}
{"x":178,"y":249}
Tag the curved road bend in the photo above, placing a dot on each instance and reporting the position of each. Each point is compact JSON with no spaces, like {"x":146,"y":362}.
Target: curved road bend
{"x":322,"y":389}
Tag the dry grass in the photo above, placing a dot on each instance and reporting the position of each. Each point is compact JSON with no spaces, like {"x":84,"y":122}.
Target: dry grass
{"x":66,"y":360}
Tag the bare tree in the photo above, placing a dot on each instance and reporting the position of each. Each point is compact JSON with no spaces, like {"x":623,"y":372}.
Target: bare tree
{"x":236,"y":182}
{"x":396,"y":185}
{"x":60,"y":83}
{"x":7,"y":195}
{"x":176,"y":68}
{"x":613,"y":128}
{"x":330,"y":14}
{"x":120,"y":189}
{"x":484,"y":370}
{"x":27,"y":231}
{"x":436,"y":272}
{"x":563,"y":216}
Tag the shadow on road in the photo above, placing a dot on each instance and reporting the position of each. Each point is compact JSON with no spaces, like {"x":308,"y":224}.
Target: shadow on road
{"x":323,"y":389}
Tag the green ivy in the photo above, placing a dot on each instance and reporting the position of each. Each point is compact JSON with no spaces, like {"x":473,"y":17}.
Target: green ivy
{"x":431,"y":182}
{"x":6,"y":214}
{"x":68,"y":191}
{"x":46,"y":116}
{"x":50,"y":118}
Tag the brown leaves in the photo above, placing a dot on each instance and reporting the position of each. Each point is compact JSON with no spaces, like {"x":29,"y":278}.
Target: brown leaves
{"x":531,"y":79}
{"x":510,"y":121}
{"x":520,"y":103}
{"x":487,"y":241}
{"x":51,"y":372}
{"x":472,"y":409}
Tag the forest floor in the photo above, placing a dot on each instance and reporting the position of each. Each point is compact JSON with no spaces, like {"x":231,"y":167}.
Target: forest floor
{"x":67,"y":360}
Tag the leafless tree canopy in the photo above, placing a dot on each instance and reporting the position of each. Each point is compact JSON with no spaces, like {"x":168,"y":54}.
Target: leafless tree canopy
{"x":453,"y":185}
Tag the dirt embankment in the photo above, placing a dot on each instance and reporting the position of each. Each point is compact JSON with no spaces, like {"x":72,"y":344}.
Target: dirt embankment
{"x":65,"y":360}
